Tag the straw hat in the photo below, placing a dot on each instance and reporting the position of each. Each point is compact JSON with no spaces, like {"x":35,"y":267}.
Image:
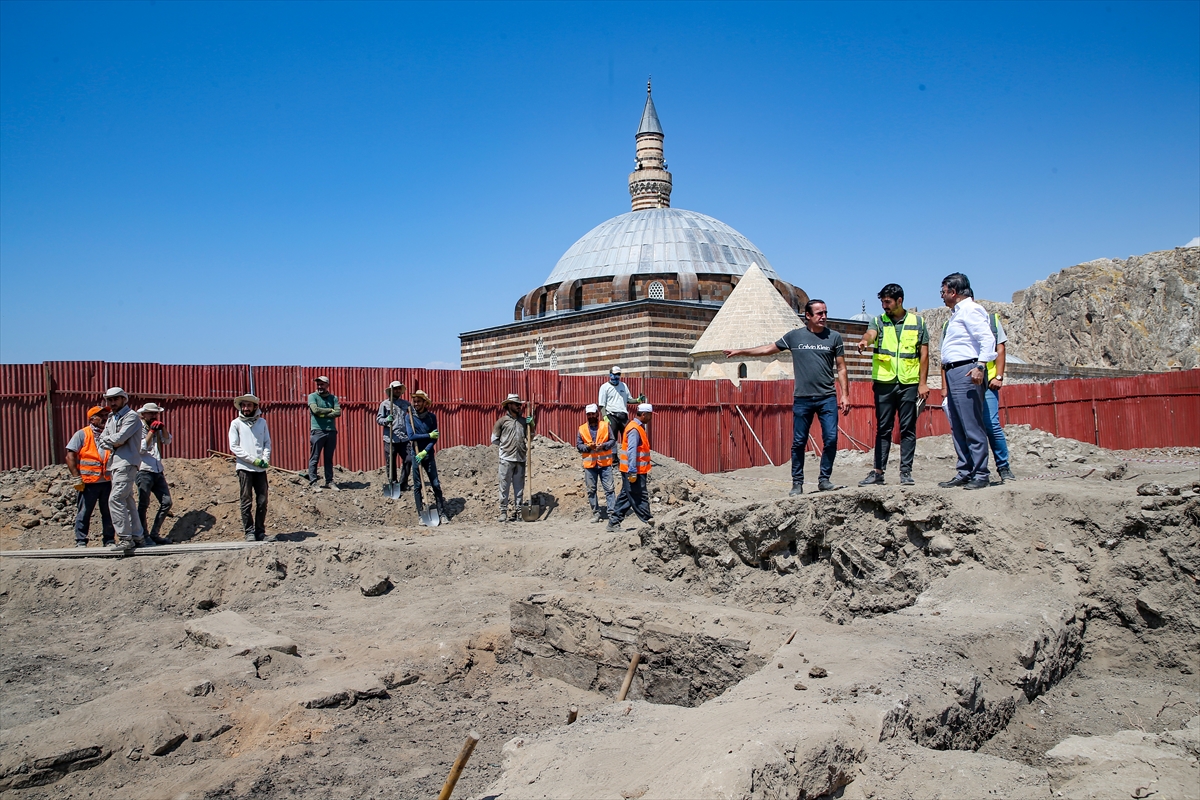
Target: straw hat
{"x":151,"y":407}
{"x":246,"y":398}
{"x":421,"y":394}
{"x":513,"y":398}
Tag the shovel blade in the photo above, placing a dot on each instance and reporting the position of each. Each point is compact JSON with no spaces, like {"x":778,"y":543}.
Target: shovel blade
{"x":430,"y":517}
{"x":392,"y":490}
{"x":531,"y":513}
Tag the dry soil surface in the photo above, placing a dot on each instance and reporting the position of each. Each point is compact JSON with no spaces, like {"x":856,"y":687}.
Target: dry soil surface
{"x":1035,"y":639}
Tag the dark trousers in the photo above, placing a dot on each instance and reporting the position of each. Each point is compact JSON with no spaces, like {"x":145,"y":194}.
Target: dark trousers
{"x":321,"y":442}
{"x":616,"y":423}
{"x":399,"y":455}
{"x":94,"y":494}
{"x":892,"y":399}
{"x":969,"y":421}
{"x":429,"y":464}
{"x":253,"y":487}
{"x":826,"y":411}
{"x":634,"y":497}
{"x":153,"y":483}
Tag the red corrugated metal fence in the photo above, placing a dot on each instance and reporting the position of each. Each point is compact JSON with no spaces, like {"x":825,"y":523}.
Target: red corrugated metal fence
{"x":698,"y":422}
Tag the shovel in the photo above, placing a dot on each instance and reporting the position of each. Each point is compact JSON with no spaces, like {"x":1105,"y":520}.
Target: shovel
{"x":429,"y":516}
{"x":391,"y":490}
{"x":531,"y":511}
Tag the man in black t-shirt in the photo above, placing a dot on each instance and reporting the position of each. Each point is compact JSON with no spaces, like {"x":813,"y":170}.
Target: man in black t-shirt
{"x":817,"y":352}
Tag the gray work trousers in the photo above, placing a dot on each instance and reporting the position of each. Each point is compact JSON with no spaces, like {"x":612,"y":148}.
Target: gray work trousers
{"x":512,"y":473}
{"x":122,"y":505}
{"x":605,"y":475}
{"x":969,"y":421}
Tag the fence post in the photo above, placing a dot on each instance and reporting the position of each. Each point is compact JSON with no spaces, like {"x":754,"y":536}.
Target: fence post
{"x":50,"y":438}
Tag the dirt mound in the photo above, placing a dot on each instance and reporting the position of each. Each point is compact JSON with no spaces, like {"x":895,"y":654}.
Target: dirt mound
{"x":37,"y":507}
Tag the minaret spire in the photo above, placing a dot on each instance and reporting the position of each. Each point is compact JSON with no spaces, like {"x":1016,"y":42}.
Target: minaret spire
{"x":650,"y":183}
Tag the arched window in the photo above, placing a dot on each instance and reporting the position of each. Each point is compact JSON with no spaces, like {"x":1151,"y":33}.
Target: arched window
{"x":657,"y":292}
{"x":742,"y":370}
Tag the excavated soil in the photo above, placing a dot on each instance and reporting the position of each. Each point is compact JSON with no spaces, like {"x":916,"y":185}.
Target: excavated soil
{"x":1035,"y":639}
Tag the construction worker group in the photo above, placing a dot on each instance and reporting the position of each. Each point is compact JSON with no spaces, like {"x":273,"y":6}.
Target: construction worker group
{"x":121,"y":450}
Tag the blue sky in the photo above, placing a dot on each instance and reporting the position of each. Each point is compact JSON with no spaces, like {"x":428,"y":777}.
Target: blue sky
{"x":356,"y":184}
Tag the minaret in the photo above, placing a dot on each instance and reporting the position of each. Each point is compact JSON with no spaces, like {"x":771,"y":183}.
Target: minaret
{"x":650,"y":183}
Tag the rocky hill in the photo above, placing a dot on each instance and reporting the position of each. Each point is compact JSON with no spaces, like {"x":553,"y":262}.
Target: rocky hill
{"x":1140,"y":313}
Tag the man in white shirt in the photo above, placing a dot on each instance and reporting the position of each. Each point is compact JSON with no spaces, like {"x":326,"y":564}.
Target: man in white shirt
{"x":250,"y":443}
{"x":150,"y":478}
{"x":613,"y":401}
{"x":967,"y":346}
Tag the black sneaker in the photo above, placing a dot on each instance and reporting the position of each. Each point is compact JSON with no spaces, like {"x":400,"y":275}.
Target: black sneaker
{"x":906,"y":479}
{"x":613,"y":526}
{"x":826,"y":485}
{"x":1006,"y":474}
{"x":873,"y":479}
{"x":797,"y":488}
{"x":978,"y":483}
{"x":953,"y":483}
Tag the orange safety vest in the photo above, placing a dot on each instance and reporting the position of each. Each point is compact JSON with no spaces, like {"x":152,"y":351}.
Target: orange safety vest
{"x":597,"y":458}
{"x":93,"y":468}
{"x":643,"y":448}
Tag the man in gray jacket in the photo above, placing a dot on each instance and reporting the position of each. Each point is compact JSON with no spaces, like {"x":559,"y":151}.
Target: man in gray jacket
{"x":393,"y":417}
{"x":123,"y":438}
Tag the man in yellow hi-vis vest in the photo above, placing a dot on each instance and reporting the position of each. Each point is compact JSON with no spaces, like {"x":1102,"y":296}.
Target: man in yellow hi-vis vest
{"x":899,"y":369}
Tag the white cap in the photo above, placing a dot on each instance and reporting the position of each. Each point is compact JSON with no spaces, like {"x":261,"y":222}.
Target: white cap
{"x":615,"y":370}
{"x":591,"y":408}
{"x":116,"y":391}
{"x":645,"y":408}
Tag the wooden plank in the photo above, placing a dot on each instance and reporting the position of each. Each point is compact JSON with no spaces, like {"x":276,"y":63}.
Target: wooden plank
{"x":105,"y":552}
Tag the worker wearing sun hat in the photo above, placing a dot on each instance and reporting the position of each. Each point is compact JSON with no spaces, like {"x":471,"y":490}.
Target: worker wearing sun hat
{"x":89,"y":464}
{"x":250,"y":443}
{"x":595,"y":442}
{"x":635,"y":470}
{"x":508,"y":435}
{"x":150,"y":477}
{"x":123,"y":438}
{"x":613,"y":401}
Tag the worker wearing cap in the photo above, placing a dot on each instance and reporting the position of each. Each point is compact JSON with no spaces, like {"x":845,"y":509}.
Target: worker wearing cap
{"x":968,"y":344}
{"x":250,"y":443}
{"x":509,"y":436}
{"x":899,"y":372}
{"x":123,"y":438}
{"x":595,"y":442}
{"x":635,"y":470}
{"x":324,"y":410}
{"x":393,"y":418}
{"x":89,"y":464}
{"x":150,"y":478}
{"x":423,"y":437}
{"x":613,"y":401}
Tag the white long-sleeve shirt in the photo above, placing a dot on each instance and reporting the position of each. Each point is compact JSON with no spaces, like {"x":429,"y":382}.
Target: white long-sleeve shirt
{"x":968,"y":335}
{"x":250,"y":441}
{"x":614,"y":398}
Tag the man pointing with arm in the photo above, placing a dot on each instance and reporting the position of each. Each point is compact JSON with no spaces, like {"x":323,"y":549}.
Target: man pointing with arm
{"x":817,"y":354}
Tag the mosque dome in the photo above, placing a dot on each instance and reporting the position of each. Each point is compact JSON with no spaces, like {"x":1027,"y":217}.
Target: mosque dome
{"x":658,"y":241}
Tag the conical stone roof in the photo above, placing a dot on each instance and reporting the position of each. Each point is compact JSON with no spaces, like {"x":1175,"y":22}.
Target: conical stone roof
{"x":754,"y":314}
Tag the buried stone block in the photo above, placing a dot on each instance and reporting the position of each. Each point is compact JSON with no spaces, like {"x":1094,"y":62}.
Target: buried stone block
{"x":230,"y":629}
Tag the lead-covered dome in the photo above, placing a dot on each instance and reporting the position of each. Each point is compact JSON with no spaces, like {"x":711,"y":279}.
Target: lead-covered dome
{"x":657,"y":241}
